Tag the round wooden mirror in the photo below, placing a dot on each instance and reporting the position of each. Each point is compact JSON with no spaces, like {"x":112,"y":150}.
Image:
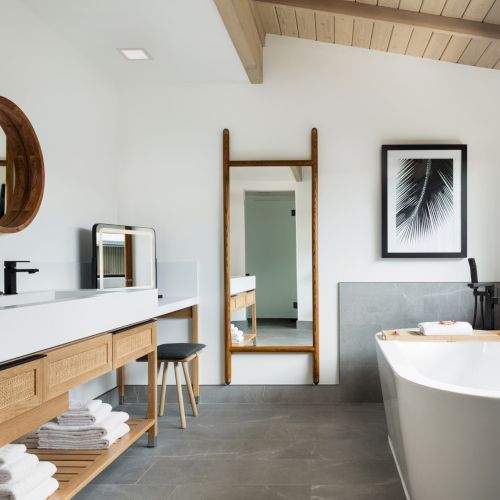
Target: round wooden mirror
{"x":22,"y":175}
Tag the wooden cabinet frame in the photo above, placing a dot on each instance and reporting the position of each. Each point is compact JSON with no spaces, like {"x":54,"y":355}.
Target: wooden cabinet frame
{"x":227,"y":164}
{"x":42,"y":382}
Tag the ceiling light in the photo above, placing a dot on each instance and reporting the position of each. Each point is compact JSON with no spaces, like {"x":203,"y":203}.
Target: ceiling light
{"x":135,"y":54}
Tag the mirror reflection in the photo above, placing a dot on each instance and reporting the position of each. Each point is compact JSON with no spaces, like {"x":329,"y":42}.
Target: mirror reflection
{"x":124,"y":257}
{"x":5,"y":179}
{"x":271,"y":256}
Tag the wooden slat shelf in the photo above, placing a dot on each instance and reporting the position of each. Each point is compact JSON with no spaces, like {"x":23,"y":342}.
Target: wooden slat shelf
{"x":247,"y":339}
{"x":76,"y":468}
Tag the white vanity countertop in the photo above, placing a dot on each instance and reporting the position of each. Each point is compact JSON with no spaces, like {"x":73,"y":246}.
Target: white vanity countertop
{"x":169,"y":304}
{"x":36,"y":321}
{"x":240,"y":284}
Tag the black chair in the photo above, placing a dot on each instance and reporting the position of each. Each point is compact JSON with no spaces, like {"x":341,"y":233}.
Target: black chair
{"x":483,"y":290}
{"x":181,"y":353}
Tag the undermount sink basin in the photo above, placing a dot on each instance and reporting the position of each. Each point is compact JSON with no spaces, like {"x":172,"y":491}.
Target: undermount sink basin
{"x":241,"y":284}
{"x":34,"y":321}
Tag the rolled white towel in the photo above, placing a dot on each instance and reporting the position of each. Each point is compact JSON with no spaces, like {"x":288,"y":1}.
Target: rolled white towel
{"x":83,"y":407}
{"x":94,"y":444}
{"x":90,"y":418}
{"x":44,"y":490}
{"x":53,"y":430}
{"x":15,"y":490}
{"x":19,"y":469}
{"x":11,"y":452}
{"x":445,"y":328}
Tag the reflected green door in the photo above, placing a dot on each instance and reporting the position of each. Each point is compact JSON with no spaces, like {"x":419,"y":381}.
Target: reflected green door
{"x":270,"y":251}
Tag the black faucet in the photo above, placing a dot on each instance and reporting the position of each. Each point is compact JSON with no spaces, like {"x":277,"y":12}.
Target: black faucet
{"x":10,"y":275}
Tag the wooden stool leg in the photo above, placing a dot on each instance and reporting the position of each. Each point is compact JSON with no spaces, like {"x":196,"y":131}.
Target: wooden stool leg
{"x":163,"y":389}
{"x":190,"y":389}
{"x":179,"y":395}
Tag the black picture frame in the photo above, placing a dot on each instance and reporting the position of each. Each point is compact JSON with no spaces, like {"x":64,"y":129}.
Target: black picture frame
{"x":462,"y":253}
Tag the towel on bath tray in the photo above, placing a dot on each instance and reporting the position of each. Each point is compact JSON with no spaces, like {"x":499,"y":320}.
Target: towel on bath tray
{"x":10,"y":453}
{"x":82,"y":443}
{"x":83,"y":407}
{"x":18,"y":469}
{"x":43,"y":490}
{"x":52,"y":430}
{"x":29,"y":440}
{"x":76,"y":419}
{"x":446,"y":328}
{"x":14,"y":490}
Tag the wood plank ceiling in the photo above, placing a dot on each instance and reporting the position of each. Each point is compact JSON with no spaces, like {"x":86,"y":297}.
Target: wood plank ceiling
{"x":456,"y":31}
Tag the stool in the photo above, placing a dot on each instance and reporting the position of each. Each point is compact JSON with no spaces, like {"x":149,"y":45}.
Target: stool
{"x":177,"y":353}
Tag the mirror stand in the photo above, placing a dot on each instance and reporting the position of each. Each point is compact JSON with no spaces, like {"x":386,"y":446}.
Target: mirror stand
{"x":231,"y":297}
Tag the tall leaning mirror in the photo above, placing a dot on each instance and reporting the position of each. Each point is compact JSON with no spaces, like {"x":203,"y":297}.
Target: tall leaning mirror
{"x":270,"y":242}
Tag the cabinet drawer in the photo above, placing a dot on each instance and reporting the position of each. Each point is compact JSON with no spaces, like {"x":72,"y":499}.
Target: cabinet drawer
{"x":71,"y":366}
{"x":21,"y":387}
{"x":133,"y":343}
{"x":233,"y":303}
{"x":250,"y":299}
{"x":241,"y":300}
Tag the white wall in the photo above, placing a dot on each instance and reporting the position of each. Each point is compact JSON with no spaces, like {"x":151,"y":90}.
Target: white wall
{"x":72,"y":108}
{"x":358,"y":100}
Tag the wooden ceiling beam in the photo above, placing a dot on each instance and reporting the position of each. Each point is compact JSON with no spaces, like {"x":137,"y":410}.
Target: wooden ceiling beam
{"x":436,"y":23}
{"x":297,"y":173}
{"x":242,"y":28}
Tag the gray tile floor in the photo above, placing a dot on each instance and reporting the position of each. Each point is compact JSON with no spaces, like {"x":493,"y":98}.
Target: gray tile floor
{"x":282,"y":332}
{"x":258,"y":452}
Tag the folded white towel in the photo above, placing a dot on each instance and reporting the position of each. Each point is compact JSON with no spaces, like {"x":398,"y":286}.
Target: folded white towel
{"x":30,"y":440}
{"x":79,"y":407}
{"x":438,"y":328}
{"x":94,"y":444}
{"x":10,"y":453}
{"x":44,"y":490}
{"x":53,"y":430}
{"x":19,"y":469}
{"x":15,"y":490}
{"x":81,"y":419}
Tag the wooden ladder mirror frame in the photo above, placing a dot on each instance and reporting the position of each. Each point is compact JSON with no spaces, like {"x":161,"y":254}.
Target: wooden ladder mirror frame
{"x":227,"y":165}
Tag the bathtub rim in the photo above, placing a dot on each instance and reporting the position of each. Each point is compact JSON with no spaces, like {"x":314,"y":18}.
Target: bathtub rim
{"x":409,"y":373}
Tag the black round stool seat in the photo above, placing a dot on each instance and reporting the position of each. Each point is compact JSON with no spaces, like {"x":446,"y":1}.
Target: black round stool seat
{"x":176,"y":352}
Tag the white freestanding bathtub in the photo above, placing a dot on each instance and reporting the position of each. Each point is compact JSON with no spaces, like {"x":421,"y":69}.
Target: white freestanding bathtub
{"x":442,"y":404}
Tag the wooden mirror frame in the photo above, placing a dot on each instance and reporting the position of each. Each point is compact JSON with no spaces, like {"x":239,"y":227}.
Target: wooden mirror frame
{"x":227,"y":165}
{"x":24,"y":156}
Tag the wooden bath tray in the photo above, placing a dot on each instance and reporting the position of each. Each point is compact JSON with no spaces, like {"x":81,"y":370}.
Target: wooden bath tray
{"x":416,"y":336}
{"x":76,"y":468}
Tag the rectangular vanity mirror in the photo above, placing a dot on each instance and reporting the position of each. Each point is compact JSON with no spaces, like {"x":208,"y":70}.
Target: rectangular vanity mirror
{"x":270,"y":256}
{"x":123,"y":257}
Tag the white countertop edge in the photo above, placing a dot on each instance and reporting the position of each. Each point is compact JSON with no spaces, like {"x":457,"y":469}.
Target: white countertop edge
{"x":169,"y":304}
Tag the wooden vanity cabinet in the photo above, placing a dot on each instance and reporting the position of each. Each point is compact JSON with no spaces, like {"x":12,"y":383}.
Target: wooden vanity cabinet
{"x":132,"y":343}
{"x":35,"y":389}
{"x":73,"y":365}
{"x":21,"y":387}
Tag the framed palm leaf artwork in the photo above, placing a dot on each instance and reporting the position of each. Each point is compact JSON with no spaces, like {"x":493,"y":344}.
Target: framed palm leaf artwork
{"x":424,"y":201}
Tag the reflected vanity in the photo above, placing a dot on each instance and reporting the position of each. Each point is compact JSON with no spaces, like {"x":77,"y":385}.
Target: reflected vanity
{"x":270,"y":238}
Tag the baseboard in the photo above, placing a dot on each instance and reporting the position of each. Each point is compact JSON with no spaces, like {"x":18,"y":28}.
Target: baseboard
{"x":257,"y":394}
{"x":305,"y":325}
{"x":111,"y":397}
{"x":405,"y":489}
